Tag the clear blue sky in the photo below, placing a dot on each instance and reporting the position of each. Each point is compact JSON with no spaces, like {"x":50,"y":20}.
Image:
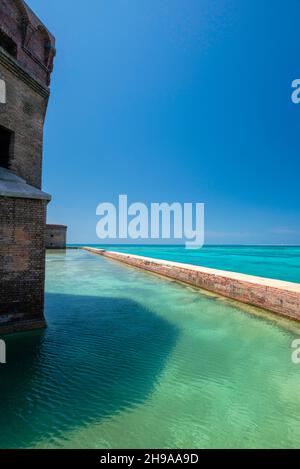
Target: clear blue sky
{"x":176,"y":100}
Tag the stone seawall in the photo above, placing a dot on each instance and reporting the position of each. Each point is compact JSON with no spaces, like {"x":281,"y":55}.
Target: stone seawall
{"x":273,"y":295}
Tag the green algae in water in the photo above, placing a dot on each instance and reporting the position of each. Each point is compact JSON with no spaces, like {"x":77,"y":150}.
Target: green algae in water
{"x":132,"y":360}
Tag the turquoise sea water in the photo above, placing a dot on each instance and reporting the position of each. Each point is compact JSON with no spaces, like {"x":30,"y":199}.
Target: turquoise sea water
{"x":132,"y":360}
{"x":280,"y":262}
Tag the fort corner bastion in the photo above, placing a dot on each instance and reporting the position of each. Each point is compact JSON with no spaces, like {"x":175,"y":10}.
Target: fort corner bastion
{"x":56,"y":236}
{"x":27,"y":50}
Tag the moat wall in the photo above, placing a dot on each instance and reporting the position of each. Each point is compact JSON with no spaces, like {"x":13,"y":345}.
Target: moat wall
{"x":277,"y":296}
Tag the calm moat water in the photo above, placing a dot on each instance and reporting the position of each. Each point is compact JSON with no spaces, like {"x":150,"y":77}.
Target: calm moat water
{"x":132,"y":360}
{"x":280,"y":262}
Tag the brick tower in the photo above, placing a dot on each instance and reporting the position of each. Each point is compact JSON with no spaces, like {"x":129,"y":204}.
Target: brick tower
{"x":27,"y":50}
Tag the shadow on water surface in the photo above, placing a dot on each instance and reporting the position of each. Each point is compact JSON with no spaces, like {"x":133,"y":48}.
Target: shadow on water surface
{"x":98,"y":357}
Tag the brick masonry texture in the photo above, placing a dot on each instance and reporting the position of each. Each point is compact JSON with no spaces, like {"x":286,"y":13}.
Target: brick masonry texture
{"x":276,"y":296}
{"x":24,"y":114}
{"x":34,"y":43}
{"x":22,"y":262}
{"x":27,"y":50}
{"x":56,"y":236}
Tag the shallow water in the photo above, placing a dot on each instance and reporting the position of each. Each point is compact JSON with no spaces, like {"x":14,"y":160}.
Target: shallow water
{"x":280,"y":262}
{"x":132,"y":360}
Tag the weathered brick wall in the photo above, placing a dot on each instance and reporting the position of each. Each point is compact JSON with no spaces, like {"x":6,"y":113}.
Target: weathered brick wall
{"x":22,"y":263}
{"x":56,"y":237}
{"x":35,"y":44}
{"x":27,"y":76}
{"x":24,"y":114}
{"x":26,"y":61}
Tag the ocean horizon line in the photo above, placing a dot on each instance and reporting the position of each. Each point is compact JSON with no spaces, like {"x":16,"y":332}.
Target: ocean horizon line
{"x":182,"y":245}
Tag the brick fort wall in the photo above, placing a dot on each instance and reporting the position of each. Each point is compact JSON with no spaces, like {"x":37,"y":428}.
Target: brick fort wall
{"x":22,"y":263}
{"x":56,"y":236}
{"x":27,"y":50}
